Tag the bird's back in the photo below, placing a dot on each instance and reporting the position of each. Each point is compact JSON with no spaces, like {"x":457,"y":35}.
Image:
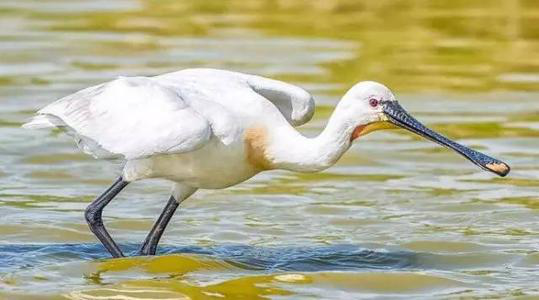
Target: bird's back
{"x":136,"y":117}
{"x":244,"y":93}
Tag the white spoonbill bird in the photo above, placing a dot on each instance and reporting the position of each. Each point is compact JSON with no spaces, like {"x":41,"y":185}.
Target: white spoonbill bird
{"x":211,"y":129}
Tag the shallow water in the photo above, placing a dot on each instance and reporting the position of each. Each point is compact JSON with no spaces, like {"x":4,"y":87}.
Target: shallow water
{"x":396,"y":217}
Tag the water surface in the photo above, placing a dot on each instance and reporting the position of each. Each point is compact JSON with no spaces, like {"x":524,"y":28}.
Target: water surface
{"x":396,"y":217}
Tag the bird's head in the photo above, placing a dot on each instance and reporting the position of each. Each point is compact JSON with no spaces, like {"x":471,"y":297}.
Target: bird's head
{"x":371,"y":106}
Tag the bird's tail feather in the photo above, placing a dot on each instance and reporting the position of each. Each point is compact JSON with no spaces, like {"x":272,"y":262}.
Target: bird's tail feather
{"x":86,"y":144}
{"x":42,"y":121}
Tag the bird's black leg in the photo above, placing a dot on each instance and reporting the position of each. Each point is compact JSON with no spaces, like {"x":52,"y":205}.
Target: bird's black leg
{"x":149,"y":246}
{"x":93,"y":217}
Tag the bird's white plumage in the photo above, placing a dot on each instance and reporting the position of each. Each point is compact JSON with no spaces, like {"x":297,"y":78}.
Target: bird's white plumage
{"x":207,"y":128}
{"x":236,"y":90}
{"x":131,"y":117}
{"x":137,"y":117}
{"x":296,"y":105}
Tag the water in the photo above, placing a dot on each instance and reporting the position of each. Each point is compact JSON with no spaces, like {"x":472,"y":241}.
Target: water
{"x":396,"y":217}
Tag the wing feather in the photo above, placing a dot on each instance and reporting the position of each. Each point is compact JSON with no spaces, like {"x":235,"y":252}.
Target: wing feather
{"x":128,"y":117}
{"x":134,"y":117}
{"x":296,"y":104}
{"x":293,"y":102}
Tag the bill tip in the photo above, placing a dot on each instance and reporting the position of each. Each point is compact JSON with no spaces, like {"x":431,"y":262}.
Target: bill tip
{"x":499,"y":168}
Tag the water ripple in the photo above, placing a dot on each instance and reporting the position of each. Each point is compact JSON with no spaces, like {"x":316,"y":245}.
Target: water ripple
{"x":272,"y":259}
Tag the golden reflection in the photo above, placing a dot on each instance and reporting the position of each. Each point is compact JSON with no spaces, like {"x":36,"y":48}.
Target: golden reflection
{"x":195,"y":285}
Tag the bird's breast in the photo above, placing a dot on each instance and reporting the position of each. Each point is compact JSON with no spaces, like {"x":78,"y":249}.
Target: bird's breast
{"x":213,"y":166}
{"x":256,"y":141}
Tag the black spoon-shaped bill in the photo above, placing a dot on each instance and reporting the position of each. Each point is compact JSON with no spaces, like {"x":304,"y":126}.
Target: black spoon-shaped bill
{"x":398,"y":116}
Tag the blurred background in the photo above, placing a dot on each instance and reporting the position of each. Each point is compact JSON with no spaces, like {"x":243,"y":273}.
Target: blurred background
{"x":397,"y":216}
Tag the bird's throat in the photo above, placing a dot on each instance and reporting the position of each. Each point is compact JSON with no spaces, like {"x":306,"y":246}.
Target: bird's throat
{"x":357,"y":132}
{"x":362,"y":130}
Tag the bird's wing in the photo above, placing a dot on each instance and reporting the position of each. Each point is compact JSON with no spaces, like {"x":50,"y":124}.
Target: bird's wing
{"x":233,"y":88}
{"x":128,"y":118}
{"x":296,"y":104}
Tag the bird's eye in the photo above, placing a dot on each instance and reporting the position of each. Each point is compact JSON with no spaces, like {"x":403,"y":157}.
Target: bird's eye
{"x":373,"y":102}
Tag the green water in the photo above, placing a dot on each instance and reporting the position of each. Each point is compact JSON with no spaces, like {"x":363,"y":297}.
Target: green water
{"x":396,"y":217}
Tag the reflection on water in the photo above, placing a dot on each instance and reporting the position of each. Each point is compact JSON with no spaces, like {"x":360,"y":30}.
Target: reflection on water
{"x":271,"y":259}
{"x":234,"y":270}
{"x":398,"y":216}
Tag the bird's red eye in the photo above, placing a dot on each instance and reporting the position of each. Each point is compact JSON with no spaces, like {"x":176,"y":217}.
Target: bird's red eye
{"x":373,"y":102}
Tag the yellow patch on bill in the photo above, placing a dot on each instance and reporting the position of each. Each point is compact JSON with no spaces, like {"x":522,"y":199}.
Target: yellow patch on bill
{"x":499,"y":168}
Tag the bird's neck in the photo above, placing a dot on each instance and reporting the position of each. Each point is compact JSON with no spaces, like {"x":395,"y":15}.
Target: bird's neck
{"x":295,"y":152}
